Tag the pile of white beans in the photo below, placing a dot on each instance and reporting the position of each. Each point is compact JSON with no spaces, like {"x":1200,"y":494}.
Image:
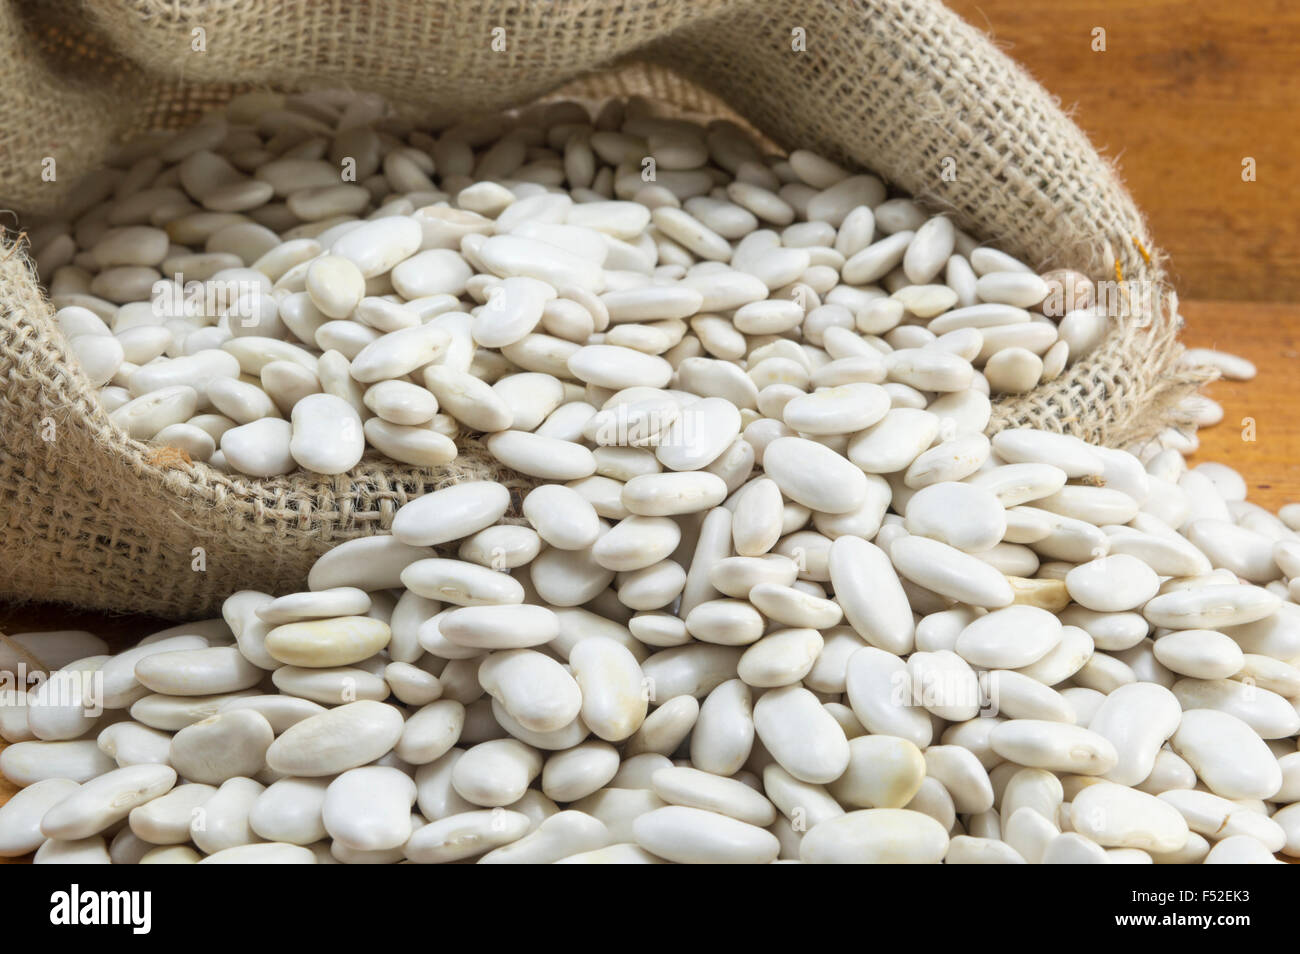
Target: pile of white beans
{"x":775,"y":595}
{"x":283,"y":288}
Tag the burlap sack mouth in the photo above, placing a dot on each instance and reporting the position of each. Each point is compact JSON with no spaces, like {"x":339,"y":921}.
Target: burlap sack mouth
{"x":900,"y":87}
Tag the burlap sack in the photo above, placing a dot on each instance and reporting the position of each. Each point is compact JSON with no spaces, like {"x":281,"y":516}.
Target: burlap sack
{"x":902,"y":87}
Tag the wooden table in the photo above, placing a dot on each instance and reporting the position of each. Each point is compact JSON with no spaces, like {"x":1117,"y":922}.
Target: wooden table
{"x":1269,"y":335}
{"x":1183,"y":93}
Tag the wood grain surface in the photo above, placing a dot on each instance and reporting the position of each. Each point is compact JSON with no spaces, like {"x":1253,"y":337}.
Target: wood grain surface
{"x":1183,"y":92}
{"x":1269,"y":335}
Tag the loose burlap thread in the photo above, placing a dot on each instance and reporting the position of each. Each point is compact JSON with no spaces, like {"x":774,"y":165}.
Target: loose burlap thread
{"x":901,"y":87}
